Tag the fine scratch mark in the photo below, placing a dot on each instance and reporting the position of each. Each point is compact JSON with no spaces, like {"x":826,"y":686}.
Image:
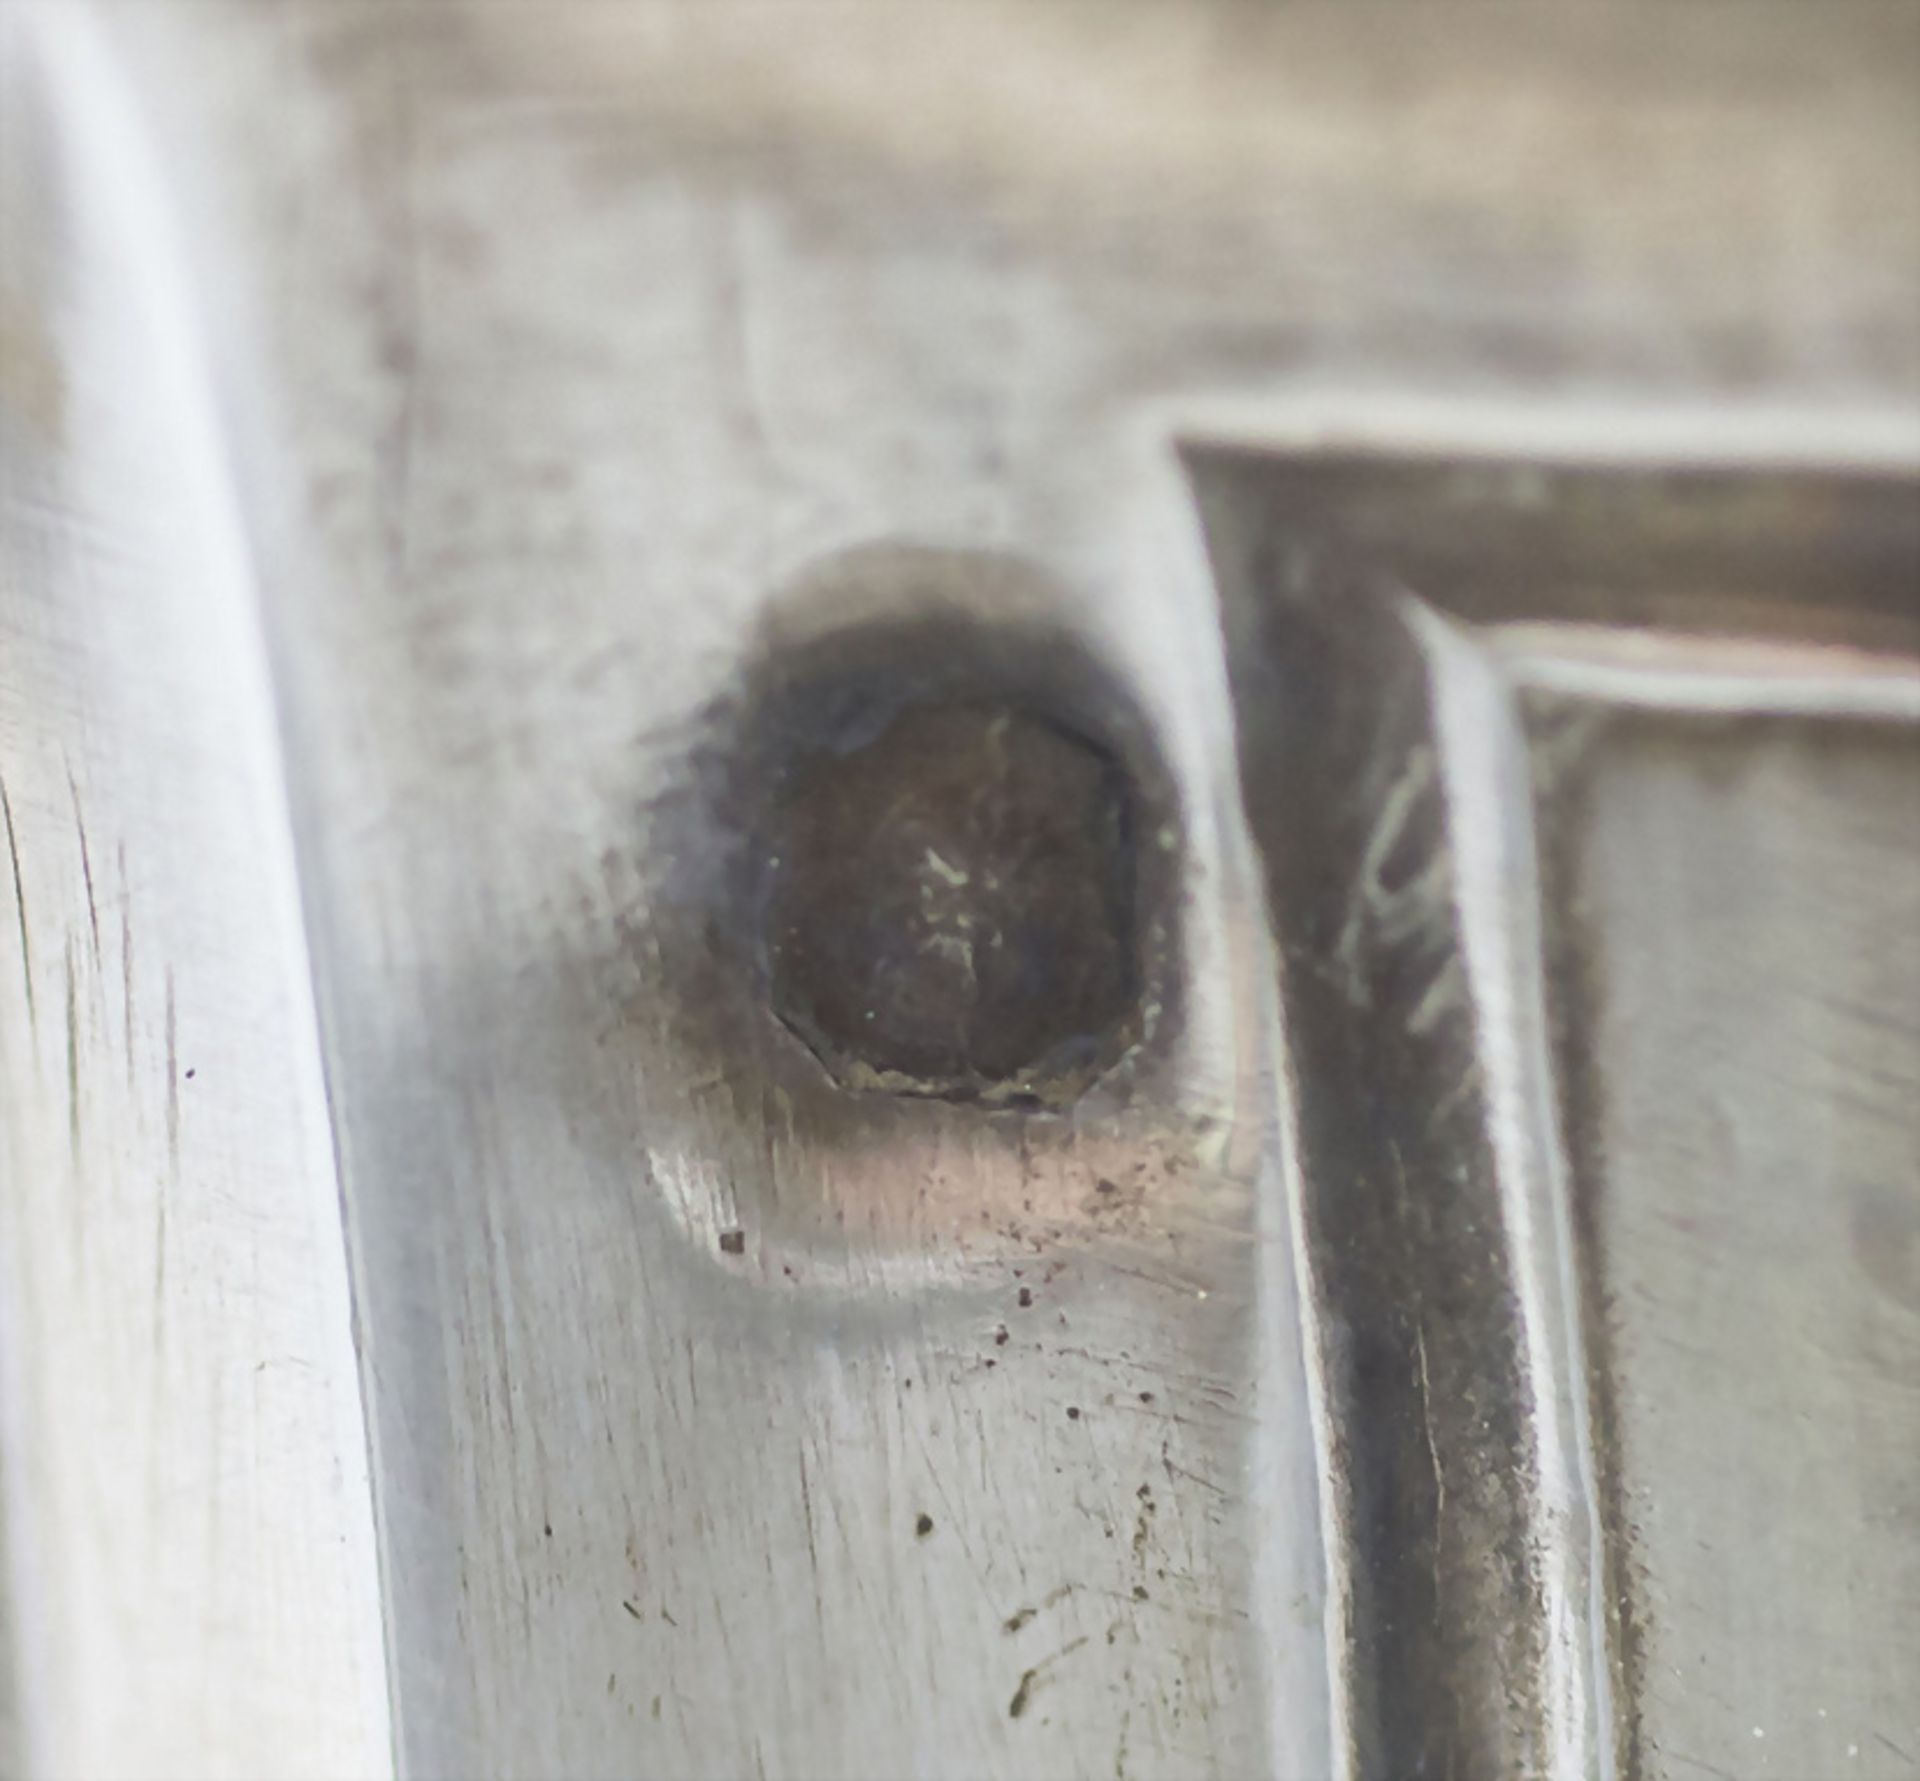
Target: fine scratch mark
{"x":1176,"y":1470}
{"x":813,"y":1549}
{"x":1433,"y":1457}
{"x":954,"y":878}
{"x":1882,"y":1737}
{"x":955,"y":1521}
{"x":1369,"y":898}
{"x":86,"y":866}
{"x":1031,"y":1679}
{"x":1703,"y":1766}
{"x":1446,"y":992}
{"x":19,"y":897}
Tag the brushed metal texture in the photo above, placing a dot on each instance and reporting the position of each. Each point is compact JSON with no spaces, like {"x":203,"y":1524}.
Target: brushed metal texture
{"x":460,"y":465}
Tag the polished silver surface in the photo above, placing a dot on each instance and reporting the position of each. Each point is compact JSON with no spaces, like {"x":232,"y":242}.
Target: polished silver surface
{"x":473,"y":1299}
{"x":189,"y":1558}
{"x":1598,"y":963}
{"x":1743,"y":1066}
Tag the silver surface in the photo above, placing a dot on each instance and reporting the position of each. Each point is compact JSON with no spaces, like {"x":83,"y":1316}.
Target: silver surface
{"x":189,"y":1558}
{"x":1743,"y":1053}
{"x":1597,"y":971}
{"x":430,"y":433}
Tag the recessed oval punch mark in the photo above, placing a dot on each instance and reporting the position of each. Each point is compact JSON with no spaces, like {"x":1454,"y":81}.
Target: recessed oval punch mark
{"x":949,"y":904}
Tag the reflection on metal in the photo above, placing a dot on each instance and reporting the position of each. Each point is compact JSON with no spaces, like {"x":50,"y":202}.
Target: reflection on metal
{"x":552,"y":560}
{"x":1516,"y":1095}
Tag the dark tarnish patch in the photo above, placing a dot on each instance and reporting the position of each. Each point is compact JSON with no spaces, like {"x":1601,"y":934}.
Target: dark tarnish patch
{"x":695,"y":997}
{"x":928,"y":802}
{"x":950,"y":905}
